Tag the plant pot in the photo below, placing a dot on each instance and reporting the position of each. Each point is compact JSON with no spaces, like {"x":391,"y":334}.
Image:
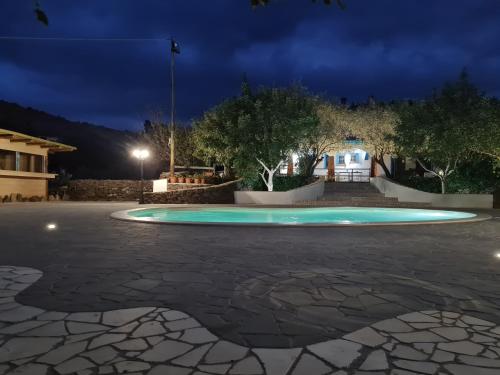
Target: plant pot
{"x":202,"y":181}
{"x":189,"y":180}
{"x":196,"y":180}
{"x":172,"y":180}
{"x":181,"y":180}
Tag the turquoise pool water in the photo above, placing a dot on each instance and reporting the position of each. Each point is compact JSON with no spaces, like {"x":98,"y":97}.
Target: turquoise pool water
{"x":295,"y":216}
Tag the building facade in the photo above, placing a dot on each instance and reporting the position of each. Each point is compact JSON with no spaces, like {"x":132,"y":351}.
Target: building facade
{"x":23,"y":164}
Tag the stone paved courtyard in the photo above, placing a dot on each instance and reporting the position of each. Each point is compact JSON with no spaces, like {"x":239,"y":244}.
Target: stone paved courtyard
{"x":219,"y":300}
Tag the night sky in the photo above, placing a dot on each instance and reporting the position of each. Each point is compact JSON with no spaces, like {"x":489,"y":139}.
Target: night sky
{"x":392,"y":49}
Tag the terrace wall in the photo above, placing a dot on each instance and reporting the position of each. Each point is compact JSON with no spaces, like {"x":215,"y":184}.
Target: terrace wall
{"x":113,"y":190}
{"x":223,"y":193}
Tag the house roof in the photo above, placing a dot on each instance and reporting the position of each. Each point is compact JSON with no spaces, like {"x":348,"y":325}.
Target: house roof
{"x":30,"y":140}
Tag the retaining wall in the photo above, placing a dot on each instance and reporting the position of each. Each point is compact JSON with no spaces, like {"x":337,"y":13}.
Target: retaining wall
{"x":406,"y":194}
{"x":305,"y":193}
{"x":223,"y":193}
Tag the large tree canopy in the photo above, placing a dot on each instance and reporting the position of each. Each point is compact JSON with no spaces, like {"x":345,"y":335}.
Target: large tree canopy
{"x":441,"y":131}
{"x":257,"y":131}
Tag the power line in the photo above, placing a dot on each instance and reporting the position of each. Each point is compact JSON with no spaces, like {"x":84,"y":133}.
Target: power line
{"x":8,"y":37}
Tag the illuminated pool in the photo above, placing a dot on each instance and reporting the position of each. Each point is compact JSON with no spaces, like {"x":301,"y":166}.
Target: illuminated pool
{"x":293,"y":216}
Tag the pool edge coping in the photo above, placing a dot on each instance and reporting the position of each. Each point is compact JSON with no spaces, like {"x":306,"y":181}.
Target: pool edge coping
{"x":123,"y":216}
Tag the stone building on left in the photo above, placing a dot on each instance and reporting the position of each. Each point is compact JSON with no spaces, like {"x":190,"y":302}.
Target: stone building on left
{"x":24,"y":165}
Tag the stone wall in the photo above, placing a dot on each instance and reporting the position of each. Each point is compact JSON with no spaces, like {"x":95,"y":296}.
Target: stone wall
{"x":106,"y":190}
{"x":223,"y":193}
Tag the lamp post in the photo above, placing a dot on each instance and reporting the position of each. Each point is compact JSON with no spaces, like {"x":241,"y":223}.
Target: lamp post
{"x":141,"y":154}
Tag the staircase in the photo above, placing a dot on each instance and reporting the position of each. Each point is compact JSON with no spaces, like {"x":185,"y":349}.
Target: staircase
{"x":357,"y":194}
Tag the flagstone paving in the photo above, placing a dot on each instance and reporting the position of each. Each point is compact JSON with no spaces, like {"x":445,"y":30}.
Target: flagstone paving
{"x":162,"y":341}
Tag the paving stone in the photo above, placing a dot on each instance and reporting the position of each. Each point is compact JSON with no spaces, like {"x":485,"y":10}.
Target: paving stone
{"x":174,"y":315}
{"x":476,"y":337}
{"x":192,"y":358}
{"x":131,"y":366}
{"x":407,"y":352}
{"x":478,"y":361}
{"x":215,"y":369}
{"x":21,"y":327}
{"x":174,"y":335}
{"x":105,"y":370}
{"x":153,"y":340}
{"x":29,"y":369}
{"x":85,"y":317}
{"x":421,"y":336}
{"x":22,"y":347}
{"x":442,"y":356}
{"x":73,"y":365}
{"x":248,"y":366}
{"x":20,"y":314}
{"x":418,"y":317}
{"x":277,"y":361}
{"x":80,"y":337}
{"x":449,"y":314}
{"x":149,"y":329}
{"x":461,"y":347}
{"x":127,"y":328}
{"x":456,"y":369}
{"x":107,"y":338}
{"x":417,"y":366}
{"x":179,"y":325}
{"x":451,"y":333}
{"x":425,"y":325}
{"x":52,"y":315}
{"x":366,"y":336}
{"x":142,"y":284}
{"x":424,"y":347}
{"x":63,"y":353}
{"x":376,"y":360}
{"x":77,"y":328}
{"x":392,"y":325}
{"x":225,"y":351}
{"x":134,"y":344}
{"x":340,"y":353}
{"x":50,"y":329}
{"x":307,"y":365}
{"x":170,"y":370}
{"x":198,"y":336}
{"x":101,"y":355}
{"x":165,"y":350}
{"x":475,"y":321}
{"x":120,"y":317}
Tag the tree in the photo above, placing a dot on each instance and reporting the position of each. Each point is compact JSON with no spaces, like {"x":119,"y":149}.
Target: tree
{"x":440,"y":131}
{"x":157,"y":135}
{"x":375,"y":125}
{"x":328,"y":136}
{"x":280,"y":121}
{"x":256,"y":132}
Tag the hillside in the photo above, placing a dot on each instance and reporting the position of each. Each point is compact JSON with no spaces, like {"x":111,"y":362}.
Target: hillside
{"x":102,"y":152}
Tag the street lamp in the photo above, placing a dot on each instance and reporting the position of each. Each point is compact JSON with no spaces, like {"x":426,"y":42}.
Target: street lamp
{"x":141,"y":154}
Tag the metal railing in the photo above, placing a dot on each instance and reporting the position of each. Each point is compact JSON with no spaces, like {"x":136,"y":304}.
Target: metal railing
{"x":353,"y":175}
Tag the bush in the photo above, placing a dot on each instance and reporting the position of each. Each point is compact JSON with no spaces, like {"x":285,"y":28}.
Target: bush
{"x":477,"y":176}
{"x":281,"y":183}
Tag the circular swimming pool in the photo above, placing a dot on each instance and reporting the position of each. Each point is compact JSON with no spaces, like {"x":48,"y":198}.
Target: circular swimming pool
{"x":293,"y":216}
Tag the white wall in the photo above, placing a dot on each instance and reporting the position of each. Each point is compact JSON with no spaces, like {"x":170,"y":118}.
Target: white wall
{"x":305,"y":193}
{"x":406,"y":194}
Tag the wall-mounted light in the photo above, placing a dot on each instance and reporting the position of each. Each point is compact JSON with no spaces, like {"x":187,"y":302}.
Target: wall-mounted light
{"x":51,"y":226}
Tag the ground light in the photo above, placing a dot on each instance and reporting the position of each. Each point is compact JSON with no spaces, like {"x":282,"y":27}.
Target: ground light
{"x":141,"y":154}
{"x":51,"y":226}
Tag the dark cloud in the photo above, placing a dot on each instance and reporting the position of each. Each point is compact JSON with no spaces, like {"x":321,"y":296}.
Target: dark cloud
{"x":387,"y":48}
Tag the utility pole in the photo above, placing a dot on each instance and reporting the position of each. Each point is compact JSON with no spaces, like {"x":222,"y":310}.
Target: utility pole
{"x":174,"y":48}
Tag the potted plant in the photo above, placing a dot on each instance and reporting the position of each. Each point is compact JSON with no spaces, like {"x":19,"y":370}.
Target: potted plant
{"x":172,"y":179}
{"x":180,"y":179}
{"x":203,"y":180}
{"x":189,"y":180}
{"x":197,"y":179}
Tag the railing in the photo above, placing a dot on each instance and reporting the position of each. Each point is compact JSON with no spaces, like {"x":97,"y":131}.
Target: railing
{"x":352,"y":175}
